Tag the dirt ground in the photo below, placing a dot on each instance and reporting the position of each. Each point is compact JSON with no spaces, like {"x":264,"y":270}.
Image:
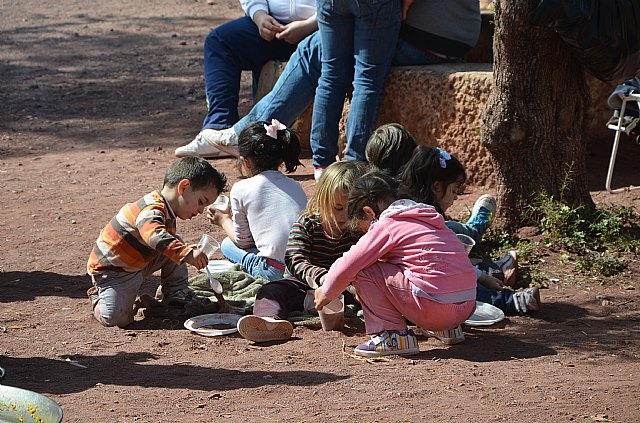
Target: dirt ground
{"x":94,"y":97}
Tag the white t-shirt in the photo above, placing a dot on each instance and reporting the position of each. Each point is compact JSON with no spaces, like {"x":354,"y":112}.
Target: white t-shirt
{"x":263,"y":208}
{"x":285,"y":11}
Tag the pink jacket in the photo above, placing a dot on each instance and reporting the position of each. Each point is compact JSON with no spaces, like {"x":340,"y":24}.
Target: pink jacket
{"x":414,"y":237}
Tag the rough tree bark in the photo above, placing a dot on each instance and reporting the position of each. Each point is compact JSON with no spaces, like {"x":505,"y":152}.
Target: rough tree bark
{"x":533,"y":124}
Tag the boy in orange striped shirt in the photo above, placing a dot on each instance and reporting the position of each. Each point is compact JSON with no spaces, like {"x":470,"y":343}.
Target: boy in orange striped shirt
{"x":141,"y":239}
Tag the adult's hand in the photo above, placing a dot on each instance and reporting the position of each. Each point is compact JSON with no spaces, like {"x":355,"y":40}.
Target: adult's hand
{"x":267,"y":25}
{"x":297,"y":30}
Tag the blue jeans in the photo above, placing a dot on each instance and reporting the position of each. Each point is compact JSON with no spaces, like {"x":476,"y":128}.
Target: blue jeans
{"x":466,"y":229}
{"x":228,"y":50}
{"x":501,"y":299}
{"x":250,"y":261}
{"x":294,"y":90}
{"x":117,"y":291}
{"x":359,"y":38}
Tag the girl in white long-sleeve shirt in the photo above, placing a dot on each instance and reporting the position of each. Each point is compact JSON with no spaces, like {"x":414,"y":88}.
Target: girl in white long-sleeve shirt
{"x":265,"y":205}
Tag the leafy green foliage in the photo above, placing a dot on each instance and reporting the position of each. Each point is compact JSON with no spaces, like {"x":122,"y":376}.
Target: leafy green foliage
{"x":593,"y":238}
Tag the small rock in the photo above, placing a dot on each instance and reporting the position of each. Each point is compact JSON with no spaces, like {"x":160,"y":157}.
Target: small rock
{"x":73,"y":222}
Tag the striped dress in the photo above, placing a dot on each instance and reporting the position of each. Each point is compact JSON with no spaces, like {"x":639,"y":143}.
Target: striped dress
{"x":311,"y":251}
{"x":136,"y":235}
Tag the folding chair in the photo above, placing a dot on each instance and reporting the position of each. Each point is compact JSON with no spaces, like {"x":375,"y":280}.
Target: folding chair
{"x":619,"y":128}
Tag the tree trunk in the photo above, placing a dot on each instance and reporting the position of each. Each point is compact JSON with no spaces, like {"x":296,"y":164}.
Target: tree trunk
{"x":534,"y":123}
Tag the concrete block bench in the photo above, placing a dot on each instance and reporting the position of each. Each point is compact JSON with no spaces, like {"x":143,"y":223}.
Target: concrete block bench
{"x":442,"y":105}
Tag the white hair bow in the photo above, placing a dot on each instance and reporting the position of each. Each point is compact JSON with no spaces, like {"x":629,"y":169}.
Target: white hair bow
{"x":272,"y":130}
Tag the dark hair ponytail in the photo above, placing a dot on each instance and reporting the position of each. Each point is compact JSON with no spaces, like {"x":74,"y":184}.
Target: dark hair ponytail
{"x":371,"y":189}
{"x":427,"y":166}
{"x":266,"y":152}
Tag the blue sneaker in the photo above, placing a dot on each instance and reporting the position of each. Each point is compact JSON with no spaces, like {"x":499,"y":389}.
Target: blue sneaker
{"x":482,"y":211}
{"x":389,"y":342}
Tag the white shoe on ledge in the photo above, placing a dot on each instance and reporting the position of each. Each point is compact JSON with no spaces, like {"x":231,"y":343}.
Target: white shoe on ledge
{"x":211,"y":144}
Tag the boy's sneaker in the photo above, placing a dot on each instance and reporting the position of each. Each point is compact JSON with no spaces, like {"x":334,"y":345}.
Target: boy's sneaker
{"x":482,"y":211}
{"x":506,"y":265}
{"x":180,"y":297}
{"x":389,"y":342}
{"x":211,"y":144}
{"x":264,"y":329}
{"x":447,"y":336}
{"x":92,"y":293}
{"x":527,"y":300}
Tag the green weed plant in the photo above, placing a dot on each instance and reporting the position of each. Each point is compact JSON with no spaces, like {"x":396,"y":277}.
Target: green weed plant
{"x":600,"y":241}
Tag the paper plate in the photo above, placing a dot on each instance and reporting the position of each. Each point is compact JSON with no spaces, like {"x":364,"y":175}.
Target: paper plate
{"x":216,"y":266}
{"x":202,"y":324}
{"x":485,"y":315}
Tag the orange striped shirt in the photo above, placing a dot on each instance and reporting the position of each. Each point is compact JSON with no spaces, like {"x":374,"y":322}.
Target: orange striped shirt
{"x":136,"y":235}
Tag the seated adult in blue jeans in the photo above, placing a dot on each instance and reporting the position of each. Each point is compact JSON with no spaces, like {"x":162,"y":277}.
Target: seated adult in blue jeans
{"x":270,"y":30}
{"x":435,"y":31}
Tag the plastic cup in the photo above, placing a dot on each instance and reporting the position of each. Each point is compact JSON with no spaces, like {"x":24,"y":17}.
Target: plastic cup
{"x":467,"y":241}
{"x":221,"y":203}
{"x":332,"y":315}
{"x":208,"y":245}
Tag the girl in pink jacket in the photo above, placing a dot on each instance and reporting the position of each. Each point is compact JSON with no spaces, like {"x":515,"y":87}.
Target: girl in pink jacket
{"x":408,"y":265}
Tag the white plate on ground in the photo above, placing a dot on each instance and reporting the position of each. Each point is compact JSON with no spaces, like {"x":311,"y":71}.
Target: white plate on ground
{"x":216,"y":266}
{"x":203,"y":324}
{"x":485,"y":315}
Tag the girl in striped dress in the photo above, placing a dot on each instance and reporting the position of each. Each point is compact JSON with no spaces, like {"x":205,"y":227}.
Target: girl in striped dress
{"x":317,"y":239}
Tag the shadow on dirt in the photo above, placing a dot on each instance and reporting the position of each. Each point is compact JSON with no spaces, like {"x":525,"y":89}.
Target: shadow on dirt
{"x":624,"y":173}
{"x":25,"y":286}
{"x":125,"y":369}
{"x":112,"y":81}
{"x":560,"y":326}
{"x":481,"y":346}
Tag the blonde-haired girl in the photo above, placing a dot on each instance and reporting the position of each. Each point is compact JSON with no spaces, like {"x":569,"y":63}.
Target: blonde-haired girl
{"x":317,"y":239}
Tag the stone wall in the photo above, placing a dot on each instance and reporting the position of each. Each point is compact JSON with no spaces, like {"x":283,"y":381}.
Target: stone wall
{"x":443,"y":104}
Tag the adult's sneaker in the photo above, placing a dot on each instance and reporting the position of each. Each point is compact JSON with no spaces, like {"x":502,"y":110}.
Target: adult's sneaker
{"x":264,"y":329}
{"x":447,"y":336}
{"x":527,"y":300}
{"x":389,"y":342}
{"x":211,"y":144}
{"x":482,"y":211}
